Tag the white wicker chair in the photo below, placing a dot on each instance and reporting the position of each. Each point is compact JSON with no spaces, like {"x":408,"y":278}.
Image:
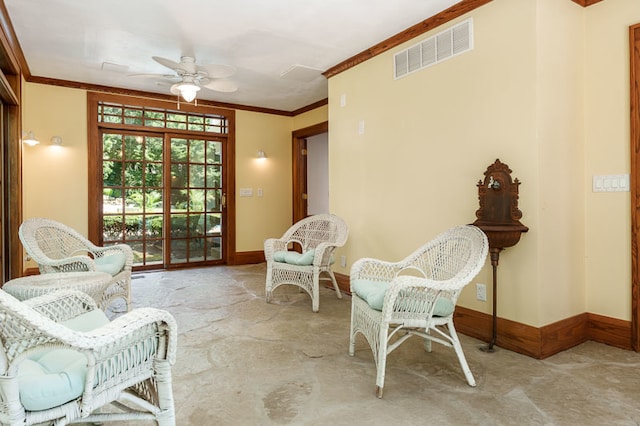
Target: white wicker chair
{"x":128,"y":360}
{"x":56,"y":247}
{"x":318,"y":236}
{"x":415,"y":296}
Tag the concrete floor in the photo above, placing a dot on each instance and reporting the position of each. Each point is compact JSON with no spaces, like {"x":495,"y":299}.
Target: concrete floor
{"x":242,"y":361}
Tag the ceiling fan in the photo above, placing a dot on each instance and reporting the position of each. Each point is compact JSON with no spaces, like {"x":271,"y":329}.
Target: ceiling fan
{"x":191,"y":77}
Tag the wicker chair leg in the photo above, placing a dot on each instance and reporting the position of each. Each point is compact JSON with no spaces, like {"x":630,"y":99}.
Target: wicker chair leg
{"x":427,"y":343}
{"x":458,"y":348}
{"x":352,"y":334}
{"x":379,"y":390}
{"x":268,"y":285}
{"x":335,"y":283}
{"x":381,"y":365}
{"x":167,"y":416}
{"x":315,"y":293}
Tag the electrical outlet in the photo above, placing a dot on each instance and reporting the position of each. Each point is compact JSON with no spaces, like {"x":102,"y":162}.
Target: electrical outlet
{"x":343,"y":261}
{"x":481,"y":292}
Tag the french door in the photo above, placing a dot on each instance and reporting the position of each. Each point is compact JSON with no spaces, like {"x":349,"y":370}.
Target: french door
{"x":196,"y":201}
{"x":164,"y":195}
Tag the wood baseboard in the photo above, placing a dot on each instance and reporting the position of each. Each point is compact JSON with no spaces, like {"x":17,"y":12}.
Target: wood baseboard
{"x":535,"y":342}
{"x":249,"y":257}
{"x":611,"y":331}
{"x":31,"y":271}
{"x":343,"y":282}
{"x":549,"y":340}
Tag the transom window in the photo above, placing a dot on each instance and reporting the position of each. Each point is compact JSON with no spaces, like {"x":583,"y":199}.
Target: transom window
{"x":160,"y":118}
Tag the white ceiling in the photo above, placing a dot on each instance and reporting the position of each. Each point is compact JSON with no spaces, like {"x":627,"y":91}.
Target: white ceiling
{"x":262,"y":39}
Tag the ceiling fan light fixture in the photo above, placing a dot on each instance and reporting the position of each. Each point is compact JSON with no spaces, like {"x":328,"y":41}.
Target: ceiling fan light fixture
{"x":188,"y":91}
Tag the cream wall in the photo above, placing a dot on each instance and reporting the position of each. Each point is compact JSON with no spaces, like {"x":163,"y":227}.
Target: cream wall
{"x":55,"y":178}
{"x":518,"y":96}
{"x":259,"y":218}
{"x":309,"y":118}
{"x":268,"y":216}
{"x":561,"y":168}
{"x":607,"y":111}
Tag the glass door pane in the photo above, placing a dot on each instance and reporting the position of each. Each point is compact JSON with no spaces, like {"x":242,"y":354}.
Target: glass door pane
{"x":196,"y":200}
{"x":132,"y":194}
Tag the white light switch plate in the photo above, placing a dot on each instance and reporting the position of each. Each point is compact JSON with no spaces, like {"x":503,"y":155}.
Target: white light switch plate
{"x":611,"y":183}
{"x":246,"y":192}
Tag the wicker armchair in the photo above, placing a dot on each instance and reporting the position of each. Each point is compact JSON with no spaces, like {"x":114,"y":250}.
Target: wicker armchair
{"x":392,"y":301}
{"x":56,"y":247}
{"x":56,"y":368}
{"x":317,"y":237}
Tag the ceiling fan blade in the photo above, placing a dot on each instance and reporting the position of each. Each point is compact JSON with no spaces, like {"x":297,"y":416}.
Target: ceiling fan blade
{"x":172,"y":76}
{"x":217,"y":70}
{"x":169,"y":63}
{"x":226,"y":86}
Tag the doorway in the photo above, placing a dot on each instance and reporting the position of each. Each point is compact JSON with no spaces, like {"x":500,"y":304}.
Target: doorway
{"x":310,"y":158}
{"x":318,"y":174}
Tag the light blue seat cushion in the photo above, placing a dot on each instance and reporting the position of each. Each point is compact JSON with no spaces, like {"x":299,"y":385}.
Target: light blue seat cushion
{"x":373,"y":293}
{"x":55,"y":377}
{"x":51,"y":379}
{"x":295,"y":258}
{"x":112,"y":263}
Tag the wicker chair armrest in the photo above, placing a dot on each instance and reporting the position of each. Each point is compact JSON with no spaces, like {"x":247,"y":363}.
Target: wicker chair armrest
{"x":272,"y":245}
{"x":120,"y":334}
{"x":70,"y":264}
{"x":62,"y":305}
{"x":403,"y":281}
{"x":418,"y":296}
{"x":141,"y":320}
{"x":374,"y":269}
{"x":323,"y":252}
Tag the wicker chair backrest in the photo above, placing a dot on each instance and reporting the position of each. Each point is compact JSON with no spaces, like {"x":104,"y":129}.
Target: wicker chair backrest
{"x":50,"y":239}
{"x":317,"y":229}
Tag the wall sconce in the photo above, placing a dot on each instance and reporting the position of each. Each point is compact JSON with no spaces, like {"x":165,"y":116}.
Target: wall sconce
{"x":56,"y":141}
{"x":30,"y":139}
{"x":261,"y":155}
